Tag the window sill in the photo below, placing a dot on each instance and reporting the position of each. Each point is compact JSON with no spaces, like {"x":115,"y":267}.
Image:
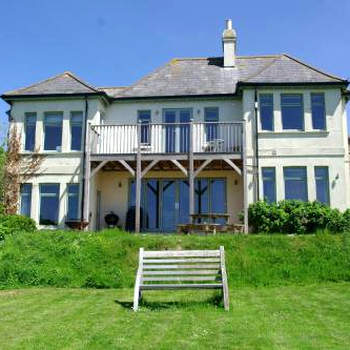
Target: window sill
{"x":295,"y":132}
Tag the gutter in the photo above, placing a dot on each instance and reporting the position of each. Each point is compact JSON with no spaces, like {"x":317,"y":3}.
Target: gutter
{"x":82,"y":206}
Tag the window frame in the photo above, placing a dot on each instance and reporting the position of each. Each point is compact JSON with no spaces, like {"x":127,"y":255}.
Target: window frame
{"x":302,"y":111}
{"x":274,"y":183}
{"x":273,"y":112}
{"x":145,"y":125}
{"x":26,"y":117}
{"x":78,"y":199}
{"x":324,"y":110}
{"x":58,"y":204}
{"x":30,"y":195}
{"x":327,"y":183}
{"x":71,"y":124}
{"x":212,"y":130}
{"x":46,"y":114}
{"x":306,"y":181}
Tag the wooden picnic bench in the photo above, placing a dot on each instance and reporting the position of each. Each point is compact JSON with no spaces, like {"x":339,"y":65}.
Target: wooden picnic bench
{"x":181,"y":269}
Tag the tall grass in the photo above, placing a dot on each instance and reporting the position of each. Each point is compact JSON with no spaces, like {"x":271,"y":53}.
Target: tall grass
{"x":109,"y":258}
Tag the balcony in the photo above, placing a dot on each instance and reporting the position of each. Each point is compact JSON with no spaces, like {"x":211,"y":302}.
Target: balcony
{"x":167,"y":139}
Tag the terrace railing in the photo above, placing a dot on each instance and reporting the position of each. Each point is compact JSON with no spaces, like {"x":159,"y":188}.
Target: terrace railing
{"x":160,"y":138}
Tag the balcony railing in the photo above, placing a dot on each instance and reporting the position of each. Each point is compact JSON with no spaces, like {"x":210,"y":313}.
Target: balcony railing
{"x":209,"y":137}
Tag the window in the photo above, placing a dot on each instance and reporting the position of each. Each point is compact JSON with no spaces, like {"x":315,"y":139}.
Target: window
{"x":26,"y":199}
{"x":73,"y":201}
{"x":144,"y":117}
{"x":318,"y":111}
{"x":322,"y":184}
{"x":76,"y":128}
{"x":269,"y":184}
{"x":266,"y":111}
{"x":53,"y":131}
{"x":49,"y":202}
{"x":211,"y":117}
{"x":292,"y":111}
{"x":295,"y":183}
{"x":30,"y":127}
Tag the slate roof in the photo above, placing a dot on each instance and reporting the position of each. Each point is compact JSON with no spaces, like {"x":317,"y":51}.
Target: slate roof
{"x":65,"y":83}
{"x":193,"y":77}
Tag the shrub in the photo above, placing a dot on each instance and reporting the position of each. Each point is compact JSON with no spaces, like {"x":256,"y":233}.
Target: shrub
{"x":11,"y":224}
{"x":292,"y":216}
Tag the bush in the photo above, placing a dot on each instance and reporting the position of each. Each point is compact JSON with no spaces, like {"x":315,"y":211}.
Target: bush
{"x":291,"y":216}
{"x":11,"y":224}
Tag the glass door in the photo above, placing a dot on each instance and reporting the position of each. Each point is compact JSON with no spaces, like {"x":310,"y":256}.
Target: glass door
{"x":169,"y":206}
{"x":176,"y":134}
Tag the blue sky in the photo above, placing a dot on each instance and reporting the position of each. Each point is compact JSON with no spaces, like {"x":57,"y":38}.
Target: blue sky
{"x":111,"y":42}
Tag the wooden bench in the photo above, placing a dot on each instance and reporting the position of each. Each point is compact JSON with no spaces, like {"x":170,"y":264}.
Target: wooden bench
{"x":210,"y":228}
{"x":181,"y":269}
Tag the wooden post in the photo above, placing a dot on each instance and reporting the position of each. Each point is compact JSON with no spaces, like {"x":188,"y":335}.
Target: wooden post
{"x":245,"y":180}
{"x":137,"y":292}
{"x":138,"y":179}
{"x":224,"y":279}
{"x":191,"y":172}
{"x":86,"y":213}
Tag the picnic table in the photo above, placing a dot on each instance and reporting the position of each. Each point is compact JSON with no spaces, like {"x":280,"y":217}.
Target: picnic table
{"x":209,"y":217}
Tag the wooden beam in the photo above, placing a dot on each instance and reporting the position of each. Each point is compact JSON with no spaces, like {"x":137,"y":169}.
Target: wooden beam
{"x":191,"y":173}
{"x":86,"y":199}
{"x":149,"y":167}
{"x":94,"y":171}
{"x":138,"y":180}
{"x":180,"y":166}
{"x":127,"y":166}
{"x":202,"y":166}
{"x":233,"y":165}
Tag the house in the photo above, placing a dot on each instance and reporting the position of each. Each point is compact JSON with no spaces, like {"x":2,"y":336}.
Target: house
{"x":197,"y":135}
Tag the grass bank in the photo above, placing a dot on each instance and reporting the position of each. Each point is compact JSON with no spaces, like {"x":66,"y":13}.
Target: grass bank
{"x":109,"y":259}
{"x":288,"y":317}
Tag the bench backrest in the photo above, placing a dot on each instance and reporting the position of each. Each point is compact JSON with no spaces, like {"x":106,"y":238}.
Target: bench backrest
{"x":176,"y":268}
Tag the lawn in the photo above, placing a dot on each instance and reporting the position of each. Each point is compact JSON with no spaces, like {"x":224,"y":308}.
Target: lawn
{"x":315,"y":316}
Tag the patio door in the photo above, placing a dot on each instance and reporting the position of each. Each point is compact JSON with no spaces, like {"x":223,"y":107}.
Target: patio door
{"x":177,"y":135}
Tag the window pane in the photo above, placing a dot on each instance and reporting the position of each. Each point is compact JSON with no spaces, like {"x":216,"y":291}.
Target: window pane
{"x":201,"y":196}
{"x":269,"y":184}
{"x":322,"y":184}
{"x":295,"y":183}
{"x":211,"y":114}
{"x":145,"y":118}
{"x":76,"y":124}
{"x":53,"y":131}
{"x":26,"y":199}
{"x":49,"y":202}
{"x":73,"y":202}
{"x":292,"y":111}
{"x":218,"y":198}
{"x":266,"y":111}
{"x":318,"y":111}
{"x":30,"y":126}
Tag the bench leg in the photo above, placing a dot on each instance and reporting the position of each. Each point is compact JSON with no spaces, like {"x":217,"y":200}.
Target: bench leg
{"x":136,"y":297}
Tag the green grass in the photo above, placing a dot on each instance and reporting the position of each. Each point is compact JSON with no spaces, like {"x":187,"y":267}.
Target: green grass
{"x":289,"y":317}
{"x":109,"y":259}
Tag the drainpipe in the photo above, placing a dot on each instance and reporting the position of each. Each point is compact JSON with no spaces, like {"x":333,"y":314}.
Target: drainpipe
{"x":84,"y":159}
{"x":256,"y":145}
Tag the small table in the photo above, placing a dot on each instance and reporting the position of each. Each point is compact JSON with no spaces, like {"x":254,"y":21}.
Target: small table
{"x":210,"y":216}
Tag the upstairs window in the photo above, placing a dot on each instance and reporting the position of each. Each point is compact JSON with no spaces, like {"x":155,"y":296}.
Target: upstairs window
{"x":26,"y":199}
{"x":292,"y":111}
{"x":322,"y":184}
{"x":73,"y":201}
{"x":266,"y":111}
{"x":211,"y":117}
{"x":318,"y":111}
{"x":295,"y":183}
{"x":269,"y":184}
{"x":76,"y":129}
{"x":49,"y":204}
{"x":144,"y":117}
{"x":53,"y":131}
{"x":29,"y":131}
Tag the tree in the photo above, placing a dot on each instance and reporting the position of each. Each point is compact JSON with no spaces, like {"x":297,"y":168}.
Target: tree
{"x":18,"y":168}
